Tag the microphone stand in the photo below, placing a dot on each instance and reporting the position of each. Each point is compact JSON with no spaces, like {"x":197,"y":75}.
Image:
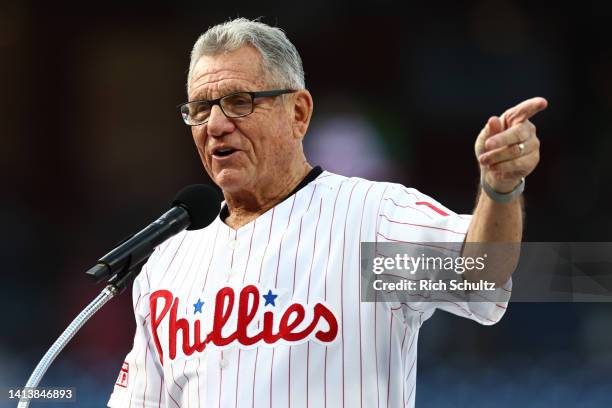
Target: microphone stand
{"x":115,"y":286}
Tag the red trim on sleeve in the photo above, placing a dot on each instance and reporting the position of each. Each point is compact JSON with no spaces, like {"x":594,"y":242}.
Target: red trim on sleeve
{"x":433,"y":207}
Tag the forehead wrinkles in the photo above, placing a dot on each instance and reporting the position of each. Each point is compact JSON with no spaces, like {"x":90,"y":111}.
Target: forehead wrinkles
{"x":216,"y":88}
{"x":212,"y":84}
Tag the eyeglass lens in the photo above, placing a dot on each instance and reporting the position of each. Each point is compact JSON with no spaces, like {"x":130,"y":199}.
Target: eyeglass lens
{"x":234,"y":105}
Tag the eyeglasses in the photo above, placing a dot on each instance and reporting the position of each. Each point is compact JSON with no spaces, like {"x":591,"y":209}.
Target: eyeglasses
{"x":234,"y":105}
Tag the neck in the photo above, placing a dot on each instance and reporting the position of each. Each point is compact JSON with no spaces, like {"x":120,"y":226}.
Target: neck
{"x":245,"y":206}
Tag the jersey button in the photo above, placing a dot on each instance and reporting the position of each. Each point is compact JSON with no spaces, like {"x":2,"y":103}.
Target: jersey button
{"x":223,"y":363}
{"x":231,"y":273}
{"x":232,"y":244}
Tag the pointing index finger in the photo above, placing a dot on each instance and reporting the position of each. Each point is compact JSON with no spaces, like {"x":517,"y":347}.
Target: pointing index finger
{"x":524,"y":111}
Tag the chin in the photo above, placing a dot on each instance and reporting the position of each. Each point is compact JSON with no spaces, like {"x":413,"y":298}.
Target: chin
{"x":230,"y":180}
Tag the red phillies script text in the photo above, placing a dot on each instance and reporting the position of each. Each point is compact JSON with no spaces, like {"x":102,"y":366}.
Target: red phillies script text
{"x":224,"y":305}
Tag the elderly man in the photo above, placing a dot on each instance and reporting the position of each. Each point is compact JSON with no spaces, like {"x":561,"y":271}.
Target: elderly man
{"x":262,"y":308}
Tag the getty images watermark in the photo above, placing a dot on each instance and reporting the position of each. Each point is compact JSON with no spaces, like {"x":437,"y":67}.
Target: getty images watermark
{"x":409,"y":265}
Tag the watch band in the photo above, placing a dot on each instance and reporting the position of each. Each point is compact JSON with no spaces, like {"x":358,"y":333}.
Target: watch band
{"x":503,"y":198}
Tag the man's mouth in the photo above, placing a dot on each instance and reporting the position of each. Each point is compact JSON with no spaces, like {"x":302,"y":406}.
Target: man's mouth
{"x":223,"y":152}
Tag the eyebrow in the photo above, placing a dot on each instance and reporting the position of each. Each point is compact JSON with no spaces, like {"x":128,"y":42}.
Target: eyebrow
{"x":199,"y":95}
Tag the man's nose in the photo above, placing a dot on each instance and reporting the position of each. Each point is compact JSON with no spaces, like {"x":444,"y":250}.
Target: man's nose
{"x":219,"y":124}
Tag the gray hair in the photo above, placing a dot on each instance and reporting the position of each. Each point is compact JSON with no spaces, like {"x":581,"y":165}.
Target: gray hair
{"x":280,"y":60}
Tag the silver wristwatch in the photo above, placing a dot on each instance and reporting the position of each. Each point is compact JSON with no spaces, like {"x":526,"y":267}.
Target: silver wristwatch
{"x":503,"y":198}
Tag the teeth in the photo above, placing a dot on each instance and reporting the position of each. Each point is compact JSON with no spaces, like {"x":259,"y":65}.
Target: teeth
{"x":224,"y":150}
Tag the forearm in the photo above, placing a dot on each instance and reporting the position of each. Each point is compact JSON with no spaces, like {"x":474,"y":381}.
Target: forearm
{"x":496,"y":222}
{"x":507,"y":150}
{"x":499,"y":227}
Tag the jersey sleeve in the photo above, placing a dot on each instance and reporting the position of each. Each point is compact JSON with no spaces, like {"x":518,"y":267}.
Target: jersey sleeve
{"x":139,"y":382}
{"x":407,"y":216}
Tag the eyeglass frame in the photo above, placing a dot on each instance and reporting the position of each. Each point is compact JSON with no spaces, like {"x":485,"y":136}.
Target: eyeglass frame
{"x":213,"y":102}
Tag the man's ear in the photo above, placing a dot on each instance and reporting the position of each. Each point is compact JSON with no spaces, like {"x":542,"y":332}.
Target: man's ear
{"x":302,"y":112}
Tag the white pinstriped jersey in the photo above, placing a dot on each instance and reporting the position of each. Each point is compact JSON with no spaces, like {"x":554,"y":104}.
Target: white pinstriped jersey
{"x":269,"y":315}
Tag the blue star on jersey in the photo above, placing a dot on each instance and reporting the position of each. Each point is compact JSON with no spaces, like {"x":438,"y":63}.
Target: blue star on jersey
{"x":197,"y":307}
{"x":270,"y":298}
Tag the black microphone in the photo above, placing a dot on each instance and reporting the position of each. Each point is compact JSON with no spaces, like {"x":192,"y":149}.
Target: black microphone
{"x":193,"y":208}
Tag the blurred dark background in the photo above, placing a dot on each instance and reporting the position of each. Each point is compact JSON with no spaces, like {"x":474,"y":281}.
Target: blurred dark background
{"x":92,"y":149}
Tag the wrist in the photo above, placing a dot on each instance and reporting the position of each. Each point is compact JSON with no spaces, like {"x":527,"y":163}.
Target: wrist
{"x":503,"y":197}
{"x":501,"y":185}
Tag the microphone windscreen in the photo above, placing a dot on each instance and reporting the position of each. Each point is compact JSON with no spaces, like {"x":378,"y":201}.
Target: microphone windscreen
{"x":201,"y":201}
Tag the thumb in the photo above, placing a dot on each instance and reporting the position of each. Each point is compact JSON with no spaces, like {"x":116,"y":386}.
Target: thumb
{"x":493,"y":127}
